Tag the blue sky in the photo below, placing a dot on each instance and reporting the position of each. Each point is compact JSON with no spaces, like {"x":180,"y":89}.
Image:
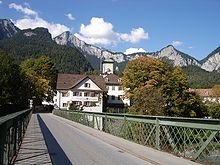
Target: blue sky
{"x":192,"y":26}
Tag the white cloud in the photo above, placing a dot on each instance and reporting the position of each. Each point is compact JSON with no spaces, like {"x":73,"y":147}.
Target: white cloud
{"x":190,"y":47}
{"x":24,"y":10}
{"x":32,"y":20}
{"x":70,"y":16}
{"x":177,"y":43}
{"x":101,"y":32}
{"x":98,"y":32}
{"x":0,"y":2}
{"x":54,"y":29}
{"x":134,"y":50}
{"x":135,"y":36}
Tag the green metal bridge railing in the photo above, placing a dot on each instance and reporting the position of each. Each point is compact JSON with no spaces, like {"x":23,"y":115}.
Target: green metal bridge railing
{"x":12,"y":130}
{"x":195,"y":139}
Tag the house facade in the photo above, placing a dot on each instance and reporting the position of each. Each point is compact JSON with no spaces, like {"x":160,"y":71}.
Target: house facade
{"x":84,"y":91}
{"x":88,"y":92}
{"x":116,"y":95}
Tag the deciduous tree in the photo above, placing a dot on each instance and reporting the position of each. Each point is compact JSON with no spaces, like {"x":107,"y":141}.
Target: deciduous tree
{"x":41,"y":74}
{"x":157,"y":88}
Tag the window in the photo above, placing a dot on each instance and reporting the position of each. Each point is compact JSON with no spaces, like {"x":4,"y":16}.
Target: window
{"x":77,"y":94}
{"x":77,"y":103}
{"x":86,"y":94}
{"x":87,"y":103}
{"x":87,"y":85}
{"x":96,"y":94}
{"x":65,"y":94}
{"x":64,"y":104}
{"x":113,"y":88}
{"x":120,"y":88}
{"x":92,"y":94}
{"x":113,"y":97}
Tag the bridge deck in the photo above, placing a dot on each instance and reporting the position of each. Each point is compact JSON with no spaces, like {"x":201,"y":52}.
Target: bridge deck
{"x":33,"y":149}
{"x":72,"y":143}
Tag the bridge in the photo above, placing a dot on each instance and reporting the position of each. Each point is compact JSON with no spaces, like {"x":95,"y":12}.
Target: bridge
{"x":80,"y":138}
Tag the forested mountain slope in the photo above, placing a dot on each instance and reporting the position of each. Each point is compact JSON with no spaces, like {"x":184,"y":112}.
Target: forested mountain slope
{"x":34,"y":43}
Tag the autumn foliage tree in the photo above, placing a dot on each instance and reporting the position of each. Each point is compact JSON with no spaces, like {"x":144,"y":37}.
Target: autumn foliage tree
{"x":41,"y":74}
{"x":157,"y":88}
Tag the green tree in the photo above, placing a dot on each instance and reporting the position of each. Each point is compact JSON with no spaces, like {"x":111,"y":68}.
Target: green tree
{"x":158,"y":88}
{"x":213,"y":110}
{"x":12,"y":82}
{"x":41,"y":74}
{"x":147,"y":101}
{"x":143,"y":71}
{"x":174,"y":91}
{"x":216,"y":90}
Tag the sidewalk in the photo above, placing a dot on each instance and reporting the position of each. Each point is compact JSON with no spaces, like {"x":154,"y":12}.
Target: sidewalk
{"x":33,"y":149}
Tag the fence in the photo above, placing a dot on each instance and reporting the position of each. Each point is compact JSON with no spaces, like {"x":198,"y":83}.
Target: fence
{"x":196,"y":139}
{"x":12,"y":129}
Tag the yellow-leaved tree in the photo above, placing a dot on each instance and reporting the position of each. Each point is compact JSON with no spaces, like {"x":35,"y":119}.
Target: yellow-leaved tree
{"x":41,"y":75}
{"x":158,"y":88}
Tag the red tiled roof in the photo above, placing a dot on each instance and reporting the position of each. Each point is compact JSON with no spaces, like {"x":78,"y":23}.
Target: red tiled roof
{"x":202,"y":92}
{"x":68,"y":81}
{"x":112,"y":79}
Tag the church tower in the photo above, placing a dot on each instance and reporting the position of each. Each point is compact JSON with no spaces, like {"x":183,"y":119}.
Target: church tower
{"x":107,"y":66}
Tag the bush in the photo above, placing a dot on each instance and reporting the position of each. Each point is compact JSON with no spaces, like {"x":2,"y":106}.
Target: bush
{"x":214,"y":110}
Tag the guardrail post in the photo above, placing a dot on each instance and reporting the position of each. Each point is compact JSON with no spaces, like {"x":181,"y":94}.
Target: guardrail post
{"x":157,"y":134}
{"x":124,"y":132}
{"x":105,"y":123}
{"x":93,"y":120}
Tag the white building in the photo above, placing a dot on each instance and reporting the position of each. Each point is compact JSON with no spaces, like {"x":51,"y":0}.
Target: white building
{"x":84,"y":91}
{"x":87,"y":91}
{"x":116,"y":94}
{"x":107,"y":66}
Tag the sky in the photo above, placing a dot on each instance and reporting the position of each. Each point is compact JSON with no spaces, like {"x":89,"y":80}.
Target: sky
{"x":191,"y":26}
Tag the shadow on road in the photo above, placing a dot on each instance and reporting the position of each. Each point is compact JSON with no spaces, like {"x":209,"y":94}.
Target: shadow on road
{"x":56,"y":153}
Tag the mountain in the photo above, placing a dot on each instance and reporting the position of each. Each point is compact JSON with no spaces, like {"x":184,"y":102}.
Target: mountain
{"x":7,"y":29}
{"x":34,"y":43}
{"x":200,"y":78}
{"x":93,"y":53}
{"x":172,"y":55}
{"x":212,"y":61}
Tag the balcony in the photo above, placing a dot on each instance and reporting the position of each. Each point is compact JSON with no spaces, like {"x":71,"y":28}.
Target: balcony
{"x":84,"y":98}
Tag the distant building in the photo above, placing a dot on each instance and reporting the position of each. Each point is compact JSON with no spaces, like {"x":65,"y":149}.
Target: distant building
{"x":88,"y":91}
{"x":116,"y":94}
{"x":206,"y":95}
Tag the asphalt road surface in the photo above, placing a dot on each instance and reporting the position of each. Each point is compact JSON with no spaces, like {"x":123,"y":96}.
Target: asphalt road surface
{"x":71,"y":143}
